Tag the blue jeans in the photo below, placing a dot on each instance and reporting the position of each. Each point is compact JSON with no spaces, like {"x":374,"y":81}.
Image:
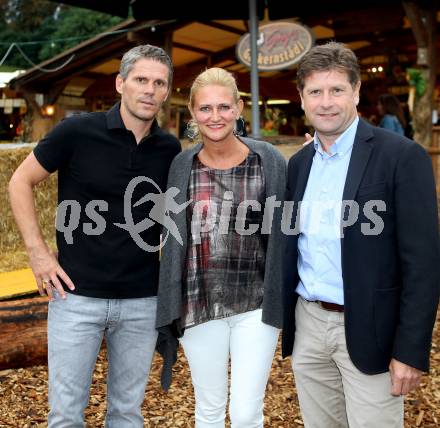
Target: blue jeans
{"x":76,"y":327}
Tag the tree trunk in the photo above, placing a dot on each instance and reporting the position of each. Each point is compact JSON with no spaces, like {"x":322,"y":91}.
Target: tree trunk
{"x":423,"y":20}
{"x":422,"y":122}
{"x":23,"y":336}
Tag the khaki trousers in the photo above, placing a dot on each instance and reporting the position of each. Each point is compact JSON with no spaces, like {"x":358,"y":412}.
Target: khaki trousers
{"x":332,"y":392}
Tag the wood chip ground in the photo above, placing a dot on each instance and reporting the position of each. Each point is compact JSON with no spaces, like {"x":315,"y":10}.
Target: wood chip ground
{"x":23,"y":396}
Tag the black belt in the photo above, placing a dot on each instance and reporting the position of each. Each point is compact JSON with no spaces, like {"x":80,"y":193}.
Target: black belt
{"x":334,"y":307}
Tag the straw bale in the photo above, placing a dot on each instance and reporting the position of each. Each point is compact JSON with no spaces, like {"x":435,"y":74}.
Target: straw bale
{"x":11,"y":244}
{"x":13,"y":260}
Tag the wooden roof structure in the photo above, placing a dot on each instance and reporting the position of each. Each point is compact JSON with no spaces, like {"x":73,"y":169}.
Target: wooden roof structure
{"x":379,"y":32}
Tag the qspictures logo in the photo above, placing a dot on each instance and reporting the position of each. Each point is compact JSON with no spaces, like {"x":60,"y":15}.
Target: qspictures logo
{"x":311,"y":217}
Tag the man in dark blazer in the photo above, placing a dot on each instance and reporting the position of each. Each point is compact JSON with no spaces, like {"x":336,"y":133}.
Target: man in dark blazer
{"x":361,"y":266}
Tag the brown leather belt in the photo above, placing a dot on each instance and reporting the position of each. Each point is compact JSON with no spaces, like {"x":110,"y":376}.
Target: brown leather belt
{"x":330,"y":306}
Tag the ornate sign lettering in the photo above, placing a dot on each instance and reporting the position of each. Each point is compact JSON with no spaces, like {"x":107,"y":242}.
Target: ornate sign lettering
{"x":280,"y":45}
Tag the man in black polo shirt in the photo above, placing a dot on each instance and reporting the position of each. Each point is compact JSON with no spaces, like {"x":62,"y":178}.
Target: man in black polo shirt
{"x":106,"y":162}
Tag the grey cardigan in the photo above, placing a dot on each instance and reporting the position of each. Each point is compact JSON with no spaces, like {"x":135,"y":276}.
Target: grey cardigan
{"x":173,"y":254}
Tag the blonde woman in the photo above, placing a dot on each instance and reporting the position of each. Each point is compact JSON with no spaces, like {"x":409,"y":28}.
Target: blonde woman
{"x":220,"y":292}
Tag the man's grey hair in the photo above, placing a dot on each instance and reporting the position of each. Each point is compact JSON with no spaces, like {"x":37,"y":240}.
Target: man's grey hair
{"x":149,"y":52}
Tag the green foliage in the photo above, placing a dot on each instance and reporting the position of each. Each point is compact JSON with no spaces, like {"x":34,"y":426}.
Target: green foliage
{"x":27,"y":15}
{"x":416,"y":79}
{"x":46,"y":22}
{"x":24,"y":21}
{"x":76,"y":22}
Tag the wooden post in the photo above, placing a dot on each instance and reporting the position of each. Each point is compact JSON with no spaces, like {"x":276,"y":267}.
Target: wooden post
{"x":422,"y":17}
{"x":23,"y":336}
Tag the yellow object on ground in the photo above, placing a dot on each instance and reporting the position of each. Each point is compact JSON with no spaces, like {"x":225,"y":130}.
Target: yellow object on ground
{"x":17,"y":283}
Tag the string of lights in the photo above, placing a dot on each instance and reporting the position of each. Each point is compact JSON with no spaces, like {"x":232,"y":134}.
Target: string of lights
{"x":46,"y":70}
{"x":152,"y":26}
{"x":64,"y":39}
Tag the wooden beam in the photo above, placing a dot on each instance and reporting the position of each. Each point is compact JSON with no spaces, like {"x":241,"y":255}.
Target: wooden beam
{"x":192,"y":48}
{"x":54,"y":92}
{"x":103,"y":86}
{"x":216,"y":58}
{"x":223,"y":27}
{"x":23,"y":333}
{"x":367,"y":24}
{"x":384,"y":15}
{"x":401,"y":45}
{"x":185,"y":74}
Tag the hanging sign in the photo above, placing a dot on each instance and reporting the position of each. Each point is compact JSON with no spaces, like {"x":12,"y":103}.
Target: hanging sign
{"x":280,"y":45}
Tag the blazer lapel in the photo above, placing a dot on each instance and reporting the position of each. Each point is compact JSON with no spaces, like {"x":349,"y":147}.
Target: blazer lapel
{"x":360,"y":155}
{"x":305,"y":164}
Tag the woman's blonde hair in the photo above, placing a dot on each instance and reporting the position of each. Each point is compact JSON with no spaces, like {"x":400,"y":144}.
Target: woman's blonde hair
{"x":211,"y":76}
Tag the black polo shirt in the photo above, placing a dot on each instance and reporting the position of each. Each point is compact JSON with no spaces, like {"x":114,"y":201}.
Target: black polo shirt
{"x":96,"y":158}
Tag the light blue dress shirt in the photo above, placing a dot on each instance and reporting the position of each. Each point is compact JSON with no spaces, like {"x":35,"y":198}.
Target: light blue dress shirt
{"x":319,"y":241}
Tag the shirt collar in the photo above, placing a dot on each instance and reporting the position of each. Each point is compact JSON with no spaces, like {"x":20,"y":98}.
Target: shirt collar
{"x":343,"y":143}
{"x":114,"y":120}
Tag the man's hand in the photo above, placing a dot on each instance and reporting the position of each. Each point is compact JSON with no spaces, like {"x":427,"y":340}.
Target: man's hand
{"x":309,"y":139}
{"x":47,"y":272}
{"x":404,"y":378}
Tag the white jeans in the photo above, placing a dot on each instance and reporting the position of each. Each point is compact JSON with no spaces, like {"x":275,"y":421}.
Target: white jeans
{"x":251,"y":344}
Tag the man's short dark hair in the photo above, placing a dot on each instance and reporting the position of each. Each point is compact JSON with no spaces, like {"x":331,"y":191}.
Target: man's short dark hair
{"x":149,"y":52}
{"x":331,"y":56}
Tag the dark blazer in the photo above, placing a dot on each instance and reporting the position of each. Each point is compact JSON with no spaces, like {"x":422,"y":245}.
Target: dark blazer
{"x":391,"y":280}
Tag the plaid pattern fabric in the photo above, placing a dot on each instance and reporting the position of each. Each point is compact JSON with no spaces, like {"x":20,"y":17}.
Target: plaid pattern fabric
{"x":224,"y":269}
